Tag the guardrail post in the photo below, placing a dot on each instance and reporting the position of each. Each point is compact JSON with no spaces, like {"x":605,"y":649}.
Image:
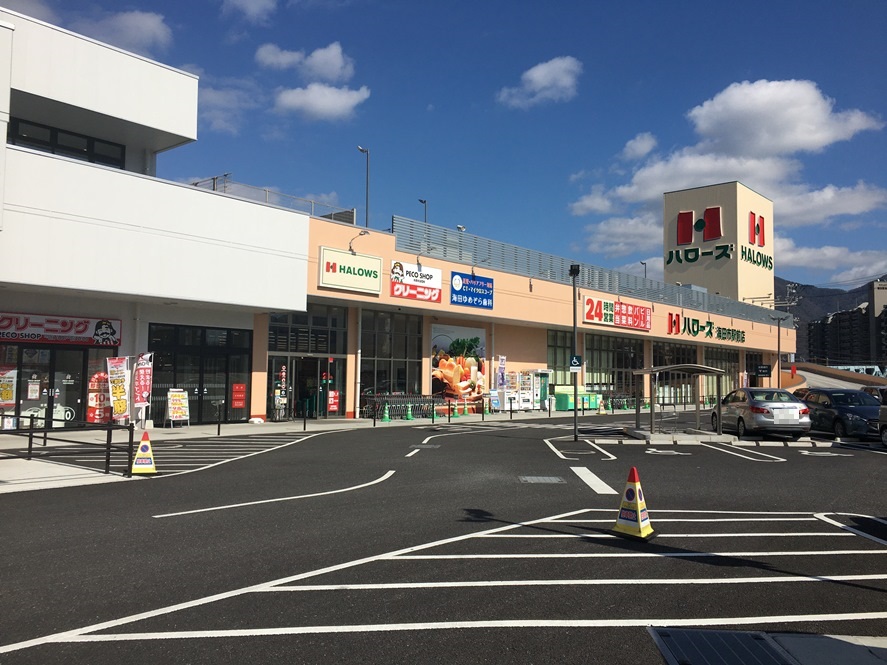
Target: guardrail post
{"x":31,"y":436}
{"x":128,"y":473}
{"x":108,"y":450}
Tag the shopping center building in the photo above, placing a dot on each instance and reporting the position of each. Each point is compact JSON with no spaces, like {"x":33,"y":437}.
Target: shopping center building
{"x":101,"y":258}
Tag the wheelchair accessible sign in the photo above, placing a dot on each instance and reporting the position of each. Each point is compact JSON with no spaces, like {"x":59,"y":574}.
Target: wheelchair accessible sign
{"x":575,"y":363}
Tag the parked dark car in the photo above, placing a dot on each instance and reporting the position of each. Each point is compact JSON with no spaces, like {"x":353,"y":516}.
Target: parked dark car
{"x":843,"y":412}
{"x":752,"y":410}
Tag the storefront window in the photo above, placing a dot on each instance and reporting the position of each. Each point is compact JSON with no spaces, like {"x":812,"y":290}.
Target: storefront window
{"x":211,"y":365}
{"x":674,"y":387}
{"x":391,"y":350}
{"x":727,"y":360}
{"x":610,"y":362}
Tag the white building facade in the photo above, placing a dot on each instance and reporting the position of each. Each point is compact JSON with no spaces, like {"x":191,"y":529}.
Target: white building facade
{"x":100,"y":258}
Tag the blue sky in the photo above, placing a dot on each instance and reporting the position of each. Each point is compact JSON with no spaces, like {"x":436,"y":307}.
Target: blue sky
{"x":554,"y":125}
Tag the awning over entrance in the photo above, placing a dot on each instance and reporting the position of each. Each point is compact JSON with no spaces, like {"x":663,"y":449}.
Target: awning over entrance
{"x":693,"y":370}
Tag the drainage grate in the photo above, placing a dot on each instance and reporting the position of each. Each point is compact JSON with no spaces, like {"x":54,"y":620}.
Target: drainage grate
{"x":718,"y":647}
{"x":542,"y":479}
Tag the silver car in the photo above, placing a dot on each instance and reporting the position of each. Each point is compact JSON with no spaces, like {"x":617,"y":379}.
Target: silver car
{"x":771,"y":410}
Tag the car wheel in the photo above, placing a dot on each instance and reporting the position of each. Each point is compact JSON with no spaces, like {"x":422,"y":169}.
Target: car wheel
{"x":884,"y":436}
{"x":740,"y":428}
{"x":714,"y":423}
{"x":840,"y":429}
{"x":794,"y":437}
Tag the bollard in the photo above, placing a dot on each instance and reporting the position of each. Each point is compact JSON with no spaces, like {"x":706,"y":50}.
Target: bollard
{"x":483,"y":408}
{"x":511,"y":408}
{"x":432,"y":410}
{"x":385,"y":417}
{"x":449,"y":410}
{"x":409,"y":415}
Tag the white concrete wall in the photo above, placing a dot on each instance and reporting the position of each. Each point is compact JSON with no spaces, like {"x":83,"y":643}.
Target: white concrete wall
{"x":72,"y":69}
{"x":71,"y":225}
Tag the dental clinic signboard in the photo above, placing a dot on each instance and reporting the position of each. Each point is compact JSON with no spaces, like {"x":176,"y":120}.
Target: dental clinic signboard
{"x":415,"y":282}
{"x":470,"y":290}
{"x":349,"y":272}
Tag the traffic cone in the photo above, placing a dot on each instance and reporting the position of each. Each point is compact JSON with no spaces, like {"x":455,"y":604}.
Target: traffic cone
{"x":633,"y":520}
{"x":385,"y":417}
{"x":409,"y":415}
{"x":454,"y":406}
{"x":143,"y":463}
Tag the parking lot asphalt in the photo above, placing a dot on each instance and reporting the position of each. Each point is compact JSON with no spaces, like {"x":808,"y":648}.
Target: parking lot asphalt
{"x":18,"y":474}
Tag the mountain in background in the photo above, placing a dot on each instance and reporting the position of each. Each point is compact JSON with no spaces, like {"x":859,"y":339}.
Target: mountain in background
{"x":815,"y":302}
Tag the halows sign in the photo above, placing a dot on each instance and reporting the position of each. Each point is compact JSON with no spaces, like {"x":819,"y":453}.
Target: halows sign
{"x":415,"y":282}
{"x":350,"y":272}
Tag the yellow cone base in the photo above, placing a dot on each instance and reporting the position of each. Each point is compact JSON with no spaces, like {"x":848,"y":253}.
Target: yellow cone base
{"x":633,"y":520}
{"x":144,"y":459}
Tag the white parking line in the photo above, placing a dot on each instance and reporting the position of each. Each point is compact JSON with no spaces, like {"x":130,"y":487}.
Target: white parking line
{"x":286,"y":498}
{"x":592,"y":480}
{"x":771,"y":458}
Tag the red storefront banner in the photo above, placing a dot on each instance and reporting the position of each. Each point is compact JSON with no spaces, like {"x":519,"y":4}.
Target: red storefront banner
{"x":620,"y":314}
{"x":143,"y":380}
{"x":44,"y":329}
{"x":238,"y":395}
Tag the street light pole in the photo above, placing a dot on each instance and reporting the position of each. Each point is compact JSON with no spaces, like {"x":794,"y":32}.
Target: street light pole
{"x":644,"y":263}
{"x":424,"y":203}
{"x":366,"y":151}
{"x":574,"y":273}
{"x":778,"y":320}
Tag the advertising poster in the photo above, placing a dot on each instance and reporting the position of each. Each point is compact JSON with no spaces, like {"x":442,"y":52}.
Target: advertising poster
{"x":415,"y":282}
{"x":471,"y":290}
{"x":177,"y":407}
{"x":143,"y":380}
{"x":118,"y":386}
{"x":458,"y":362}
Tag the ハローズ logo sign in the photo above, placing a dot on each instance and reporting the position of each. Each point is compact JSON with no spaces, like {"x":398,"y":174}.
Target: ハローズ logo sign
{"x":709,"y":224}
{"x":755,"y":229}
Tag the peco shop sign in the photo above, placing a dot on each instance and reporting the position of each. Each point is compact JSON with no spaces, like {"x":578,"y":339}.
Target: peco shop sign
{"x":349,"y":272}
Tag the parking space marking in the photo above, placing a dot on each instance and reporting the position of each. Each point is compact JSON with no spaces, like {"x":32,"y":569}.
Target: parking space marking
{"x":592,"y":480}
{"x":293,"y":584}
{"x":277,"y":500}
{"x":771,"y":458}
{"x":413,"y":452}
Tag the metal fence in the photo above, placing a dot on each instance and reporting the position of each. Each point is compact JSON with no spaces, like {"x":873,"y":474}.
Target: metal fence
{"x":430,"y":241}
{"x":224,"y":185}
{"x":27,"y":428}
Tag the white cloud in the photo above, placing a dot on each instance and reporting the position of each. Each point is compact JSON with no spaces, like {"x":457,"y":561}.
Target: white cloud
{"x":145,"y":33}
{"x":752,"y":132}
{"x":223,"y":107}
{"x":330,"y":198}
{"x":274,"y":57}
{"x":800,"y":206}
{"x":620,"y":236}
{"x":38,"y":9}
{"x":596,"y":201}
{"x":255,"y":11}
{"x":329,"y":64}
{"x":775,"y":118}
{"x":552,"y":81}
{"x":324,"y":64}
{"x":319,"y":101}
{"x":639,"y":147}
{"x":852,"y":265}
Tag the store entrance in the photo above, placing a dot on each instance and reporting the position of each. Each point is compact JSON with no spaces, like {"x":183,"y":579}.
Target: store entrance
{"x":51,"y":386}
{"x":305,"y":387}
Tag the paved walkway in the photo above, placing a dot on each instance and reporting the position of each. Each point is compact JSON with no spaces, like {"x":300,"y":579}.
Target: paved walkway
{"x":18,"y":475}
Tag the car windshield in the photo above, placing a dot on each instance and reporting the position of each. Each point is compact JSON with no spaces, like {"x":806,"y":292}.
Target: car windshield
{"x":853,"y":398}
{"x":772,"y":396}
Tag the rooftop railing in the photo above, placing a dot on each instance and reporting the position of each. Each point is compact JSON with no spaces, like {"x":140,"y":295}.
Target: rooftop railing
{"x":427,"y":240}
{"x":225,"y":185}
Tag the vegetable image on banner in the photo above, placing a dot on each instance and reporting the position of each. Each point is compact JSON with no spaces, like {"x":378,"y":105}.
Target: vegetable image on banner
{"x":458,"y":365}
{"x":118,"y":386}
